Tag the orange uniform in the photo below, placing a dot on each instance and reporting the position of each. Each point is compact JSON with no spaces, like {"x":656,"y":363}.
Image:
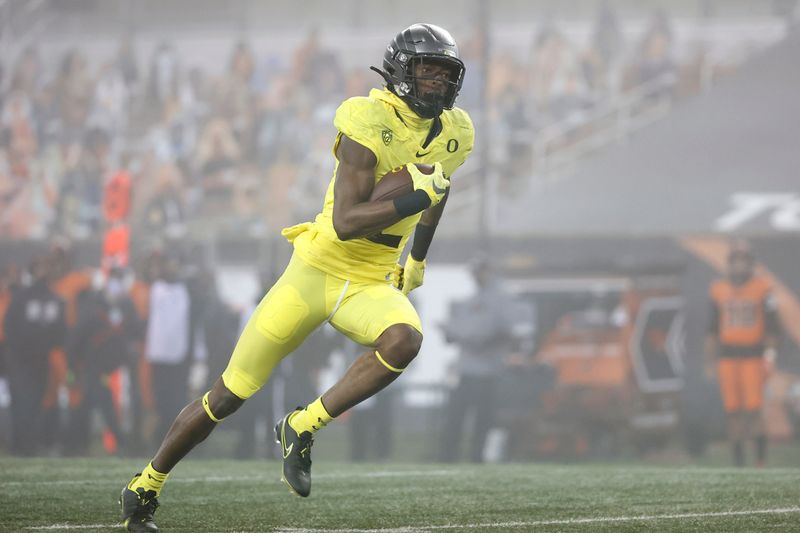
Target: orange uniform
{"x":140,"y":295}
{"x":742,"y":318}
{"x":68,"y":287}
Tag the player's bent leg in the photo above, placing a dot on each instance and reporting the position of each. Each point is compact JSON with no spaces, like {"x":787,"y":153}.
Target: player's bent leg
{"x":285,"y":317}
{"x":194,"y":424}
{"x":374,"y":369}
{"x":382,"y":317}
{"x":372,"y":315}
{"x":395,"y":348}
{"x":139,"y":498}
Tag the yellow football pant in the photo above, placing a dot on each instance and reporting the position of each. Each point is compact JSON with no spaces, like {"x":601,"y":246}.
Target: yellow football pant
{"x":303,"y":298}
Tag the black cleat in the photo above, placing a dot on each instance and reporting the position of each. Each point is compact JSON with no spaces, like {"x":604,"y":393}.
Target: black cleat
{"x":296,"y":452}
{"x":138,"y":508}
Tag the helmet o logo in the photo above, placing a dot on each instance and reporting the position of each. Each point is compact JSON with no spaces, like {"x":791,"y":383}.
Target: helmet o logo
{"x":452,"y":145}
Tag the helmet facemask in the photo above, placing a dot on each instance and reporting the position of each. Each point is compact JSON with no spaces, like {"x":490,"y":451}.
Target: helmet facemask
{"x":430,"y":84}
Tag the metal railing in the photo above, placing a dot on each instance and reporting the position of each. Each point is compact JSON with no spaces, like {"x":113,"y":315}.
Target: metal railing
{"x":558,"y":146}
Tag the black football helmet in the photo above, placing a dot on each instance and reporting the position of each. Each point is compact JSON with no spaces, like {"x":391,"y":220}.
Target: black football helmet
{"x":422,"y":43}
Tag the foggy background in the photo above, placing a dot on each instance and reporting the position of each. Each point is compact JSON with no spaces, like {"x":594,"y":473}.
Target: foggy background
{"x":619,"y":146}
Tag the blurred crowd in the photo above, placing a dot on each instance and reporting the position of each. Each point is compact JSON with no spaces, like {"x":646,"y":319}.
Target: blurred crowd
{"x":246,"y":147}
{"x":239,"y":148}
{"x":118,"y":353}
{"x":563,"y":91}
{"x":102,"y":360}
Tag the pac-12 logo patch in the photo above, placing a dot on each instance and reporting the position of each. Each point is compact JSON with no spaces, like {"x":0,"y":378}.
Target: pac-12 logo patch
{"x":386,"y":135}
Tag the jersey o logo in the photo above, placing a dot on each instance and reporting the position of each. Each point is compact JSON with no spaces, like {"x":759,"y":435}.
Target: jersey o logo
{"x":452,"y":145}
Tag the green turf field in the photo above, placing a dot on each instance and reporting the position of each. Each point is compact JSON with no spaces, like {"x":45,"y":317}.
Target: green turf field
{"x":204,"y":496}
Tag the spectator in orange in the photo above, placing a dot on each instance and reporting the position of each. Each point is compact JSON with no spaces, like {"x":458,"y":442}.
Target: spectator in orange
{"x":68,"y":283}
{"x":740,"y":348}
{"x":103,"y":340}
{"x":141,"y":388}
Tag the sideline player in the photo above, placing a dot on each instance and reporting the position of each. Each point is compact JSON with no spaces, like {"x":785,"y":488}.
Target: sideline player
{"x":344,"y":268}
{"x":740,"y":348}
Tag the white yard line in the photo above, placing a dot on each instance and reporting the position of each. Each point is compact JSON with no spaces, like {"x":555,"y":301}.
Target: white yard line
{"x":487,"y":525}
{"x":561,"y":522}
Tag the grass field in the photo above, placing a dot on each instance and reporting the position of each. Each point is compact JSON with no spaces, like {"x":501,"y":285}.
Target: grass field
{"x":205,"y":496}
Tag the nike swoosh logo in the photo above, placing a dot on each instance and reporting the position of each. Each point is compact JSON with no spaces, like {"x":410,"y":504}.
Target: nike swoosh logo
{"x":438,"y":190}
{"x":286,"y":449}
{"x":421,"y":155}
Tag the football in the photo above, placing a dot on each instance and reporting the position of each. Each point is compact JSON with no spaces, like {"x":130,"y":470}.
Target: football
{"x":396,"y":183}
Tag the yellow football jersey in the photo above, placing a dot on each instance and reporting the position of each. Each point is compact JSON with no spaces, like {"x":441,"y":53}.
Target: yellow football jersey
{"x":383,"y":123}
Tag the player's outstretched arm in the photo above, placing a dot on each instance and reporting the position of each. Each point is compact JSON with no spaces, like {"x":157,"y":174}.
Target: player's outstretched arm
{"x":353,"y":214}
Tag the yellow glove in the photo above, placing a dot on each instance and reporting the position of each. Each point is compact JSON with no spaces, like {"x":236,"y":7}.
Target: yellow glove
{"x":434,"y":184}
{"x":413,"y":274}
{"x":396,"y":276}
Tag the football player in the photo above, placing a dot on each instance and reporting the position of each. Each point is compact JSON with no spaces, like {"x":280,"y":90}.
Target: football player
{"x":741,"y":346}
{"x":344,"y":269}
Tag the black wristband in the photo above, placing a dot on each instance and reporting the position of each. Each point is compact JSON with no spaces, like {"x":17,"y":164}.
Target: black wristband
{"x":412,"y":203}
{"x":423,"y":236}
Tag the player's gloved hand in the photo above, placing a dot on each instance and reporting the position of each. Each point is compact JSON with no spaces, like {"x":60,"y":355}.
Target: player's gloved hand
{"x":435,"y":184}
{"x":413,"y":274}
{"x":396,"y":277}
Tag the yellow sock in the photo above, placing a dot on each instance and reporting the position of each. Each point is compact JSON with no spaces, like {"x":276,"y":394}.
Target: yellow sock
{"x":313,"y":418}
{"x":151,"y":479}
